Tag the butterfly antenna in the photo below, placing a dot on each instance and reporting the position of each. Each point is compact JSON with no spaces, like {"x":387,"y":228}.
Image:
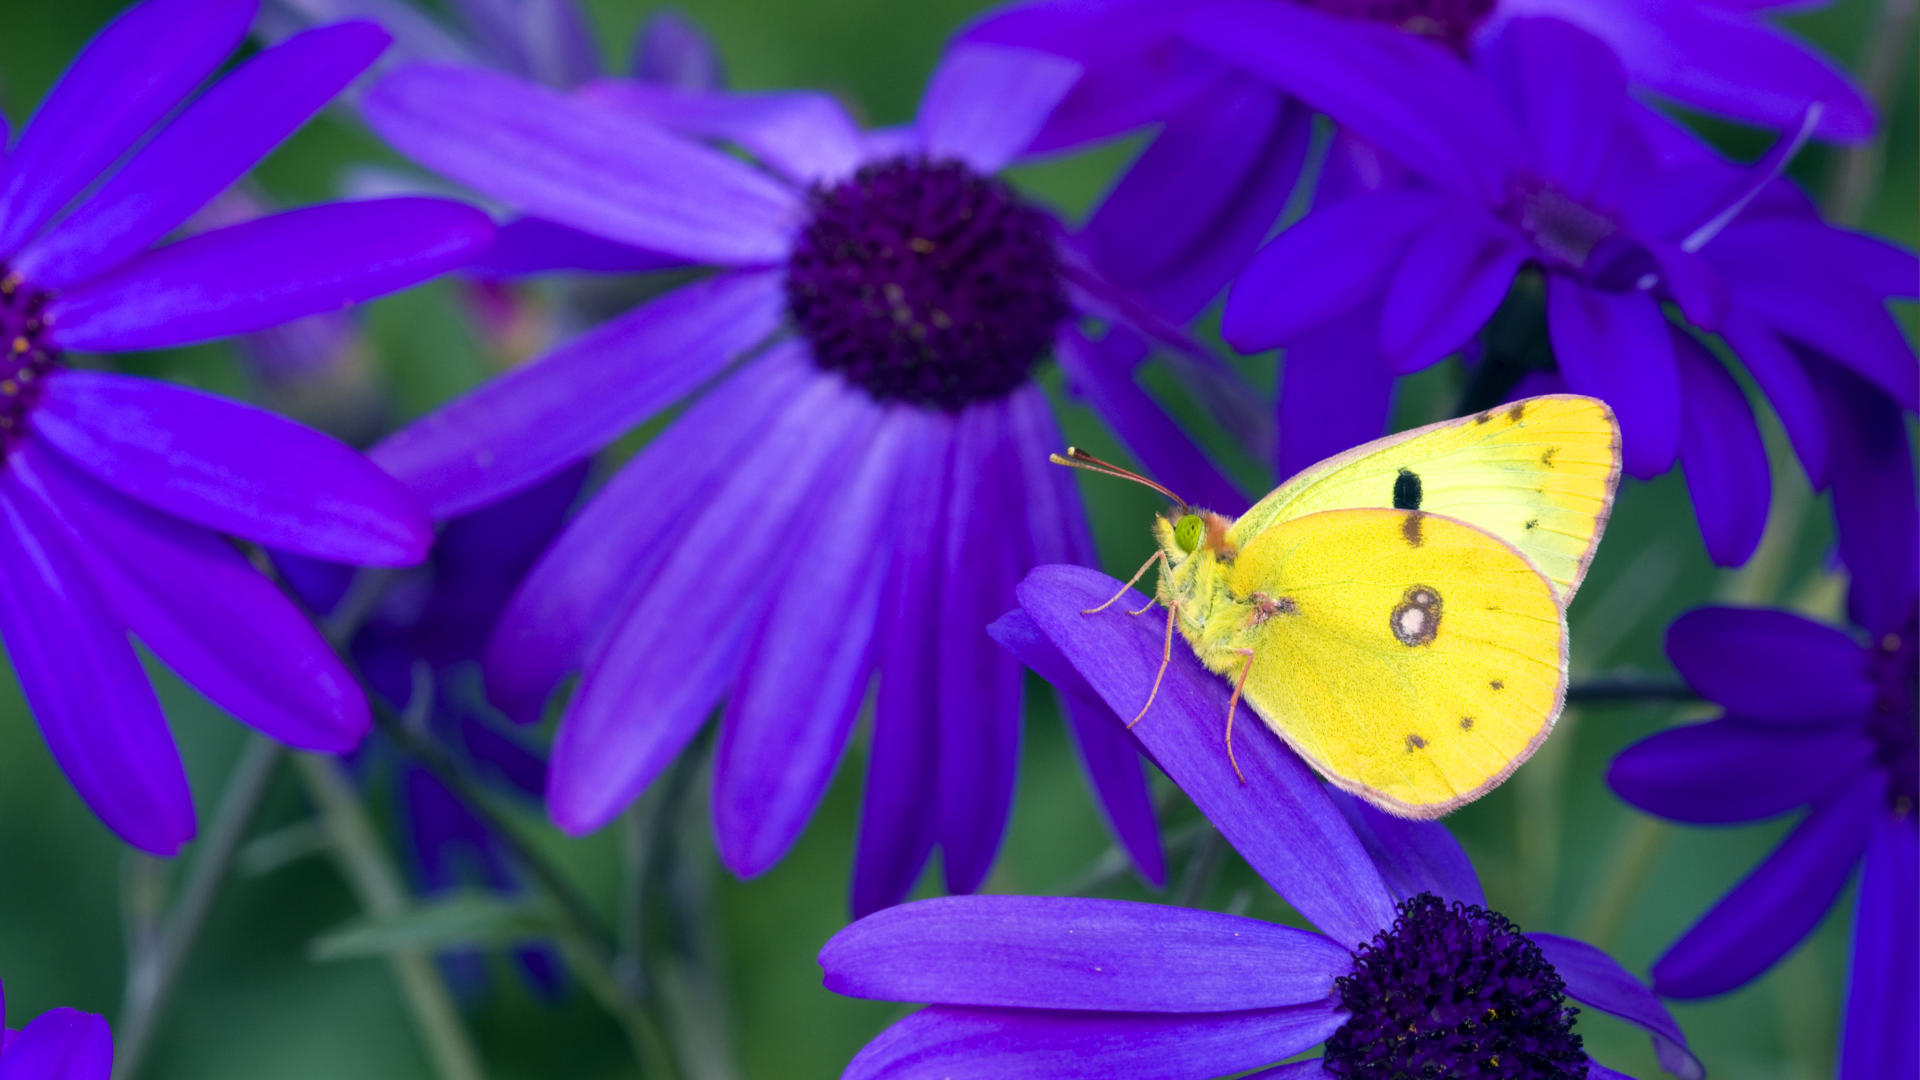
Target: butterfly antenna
{"x":1076,"y":458}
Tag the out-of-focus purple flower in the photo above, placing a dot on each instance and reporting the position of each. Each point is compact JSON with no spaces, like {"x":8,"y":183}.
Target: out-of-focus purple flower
{"x":1819,"y":718}
{"x":872,"y":431}
{"x":1542,"y":169}
{"x":116,"y":489}
{"x":420,"y":650}
{"x":1141,"y":66}
{"x":59,"y":1044}
{"x":1410,"y":973}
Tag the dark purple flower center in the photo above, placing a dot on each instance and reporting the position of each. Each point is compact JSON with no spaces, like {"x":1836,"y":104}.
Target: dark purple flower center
{"x":1565,"y":231}
{"x":1450,"y":21}
{"x":1894,"y":723}
{"x":926,"y":282}
{"x":25,"y":357}
{"x":1453,"y":991}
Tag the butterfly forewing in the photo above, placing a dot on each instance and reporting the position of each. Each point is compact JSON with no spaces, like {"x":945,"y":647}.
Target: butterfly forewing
{"x":1411,"y":658}
{"x":1539,"y":473}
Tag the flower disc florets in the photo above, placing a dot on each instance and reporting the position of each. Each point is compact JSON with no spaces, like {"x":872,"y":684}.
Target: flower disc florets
{"x":1449,"y":21}
{"x":25,"y":358}
{"x":1453,"y":991}
{"x":926,"y":282}
{"x":1565,"y":231}
{"x":1894,"y":725}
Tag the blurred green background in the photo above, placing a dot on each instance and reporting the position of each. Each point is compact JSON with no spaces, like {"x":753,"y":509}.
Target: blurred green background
{"x":1558,"y":853}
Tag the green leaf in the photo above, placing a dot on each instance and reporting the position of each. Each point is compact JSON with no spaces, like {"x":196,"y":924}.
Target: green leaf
{"x":462,"y":920}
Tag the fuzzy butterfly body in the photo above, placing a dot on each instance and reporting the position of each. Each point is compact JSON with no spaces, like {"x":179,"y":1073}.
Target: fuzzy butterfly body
{"x":1397,"y":614}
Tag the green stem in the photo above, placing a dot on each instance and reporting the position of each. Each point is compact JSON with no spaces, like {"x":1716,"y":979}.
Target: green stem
{"x":382,"y":895}
{"x":1636,"y":844}
{"x":155,"y":969}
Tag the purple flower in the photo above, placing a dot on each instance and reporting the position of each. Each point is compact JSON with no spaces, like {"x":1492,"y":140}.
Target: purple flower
{"x":1410,"y":973}
{"x":1545,"y":173}
{"x":1201,"y":70}
{"x":116,"y":489}
{"x":851,"y":495}
{"x":59,"y":1044}
{"x":420,"y":650}
{"x":1142,"y":67}
{"x":1819,"y":718}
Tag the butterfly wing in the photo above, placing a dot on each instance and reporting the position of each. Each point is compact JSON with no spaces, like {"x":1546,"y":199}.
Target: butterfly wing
{"x":1539,"y":473}
{"x":1412,"y":659}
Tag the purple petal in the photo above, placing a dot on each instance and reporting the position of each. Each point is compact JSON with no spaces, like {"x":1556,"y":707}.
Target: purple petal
{"x":1617,"y":347}
{"x":1784,"y":381}
{"x":1879,"y":1036}
{"x":1870,"y":264}
{"x":979,"y":703}
{"x":1722,"y":454}
{"x":1570,"y":91}
{"x":195,"y":601}
{"x":1770,"y":665}
{"x":939,"y":1043}
{"x":1324,"y":266}
{"x":1873,"y":501}
{"x":95,"y":708}
{"x":1107,"y":752}
{"x":548,"y":41}
{"x":605,"y":557}
{"x":1136,"y":70}
{"x":582,"y":164}
{"x":60,"y":1044}
{"x":1101,"y":373}
{"x":1596,"y":979}
{"x":808,"y":666}
{"x":1726,"y":770}
{"x":531,"y":245}
{"x":807,"y":136}
{"x":1336,"y":390}
{"x":1597,"y":1071}
{"x":1062,"y":953}
{"x":671,"y":50}
{"x":1308,"y":1069}
{"x":675,"y":649}
{"x":232,"y":468}
{"x":268,"y":271}
{"x":1413,"y":856}
{"x":543,"y":416}
{"x":1721,"y":59}
{"x":1777,"y":904}
{"x":898,"y":813}
{"x":1447,"y":287}
{"x":202,"y":152}
{"x":1692,"y":283}
{"x":130,"y":75}
{"x":1280,"y":819}
{"x":1164,"y":216}
{"x":985,"y":103}
{"x":1413,"y":100}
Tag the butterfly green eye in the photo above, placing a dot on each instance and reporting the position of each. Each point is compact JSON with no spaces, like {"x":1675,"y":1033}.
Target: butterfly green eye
{"x":1186,"y":532}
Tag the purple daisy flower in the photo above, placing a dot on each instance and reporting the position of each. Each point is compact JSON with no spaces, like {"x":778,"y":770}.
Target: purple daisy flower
{"x":1713,"y":55}
{"x":116,"y":489}
{"x":59,"y":1044}
{"x":1410,"y":974}
{"x":864,"y":363}
{"x":1546,"y":169}
{"x":1820,"y":718}
{"x":1218,"y":106}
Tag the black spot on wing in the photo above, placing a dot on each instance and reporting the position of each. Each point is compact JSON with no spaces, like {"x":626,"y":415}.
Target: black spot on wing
{"x":1532,"y":524}
{"x":1518,"y":412}
{"x":1546,"y":456}
{"x":1415,"y":742}
{"x":1406,"y":490}
{"x":1466,"y":723}
{"x":1497,"y":684}
{"x":1410,"y":528}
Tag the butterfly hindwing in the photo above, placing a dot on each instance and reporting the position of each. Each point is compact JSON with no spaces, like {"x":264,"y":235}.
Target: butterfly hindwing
{"x":1539,"y":473}
{"x":1411,"y":658}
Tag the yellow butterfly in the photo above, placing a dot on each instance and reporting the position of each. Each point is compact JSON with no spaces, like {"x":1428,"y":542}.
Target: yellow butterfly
{"x":1397,"y":613}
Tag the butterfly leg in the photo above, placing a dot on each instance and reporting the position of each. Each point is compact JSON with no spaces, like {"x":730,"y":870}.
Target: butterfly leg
{"x":1137,"y":575}
{"x":1233,"y":704}
{"x":1166,"y":657}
